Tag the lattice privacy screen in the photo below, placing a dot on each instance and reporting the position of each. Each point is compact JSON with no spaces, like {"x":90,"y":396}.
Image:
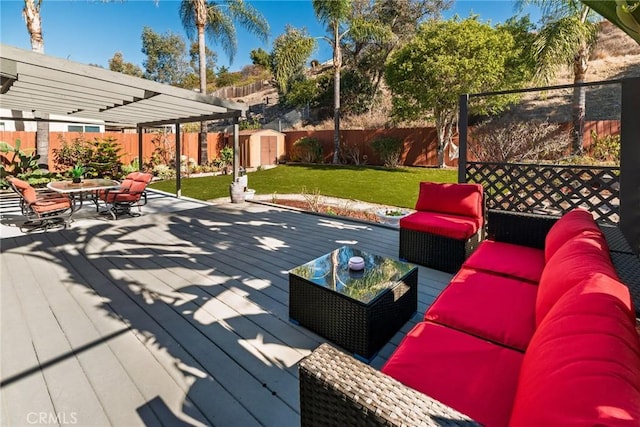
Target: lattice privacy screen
{"x":549,"y":189}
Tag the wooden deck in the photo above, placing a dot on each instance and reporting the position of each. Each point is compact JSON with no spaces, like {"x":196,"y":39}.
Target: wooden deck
{"x":175,"y":318}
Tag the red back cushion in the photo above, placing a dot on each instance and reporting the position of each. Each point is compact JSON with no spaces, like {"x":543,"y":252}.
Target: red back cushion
{"x":126,"y":184}
{"x":145,"y":177}
{"x":27,"y":191}
{"x":508,"y":259}
{"x":571,"y":224}
{"x":455,"y":199}
{"x":582,"y":366}
{"x":578,"y":259}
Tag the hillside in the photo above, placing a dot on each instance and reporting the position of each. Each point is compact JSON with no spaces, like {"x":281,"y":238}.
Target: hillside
{"x":615,"y":56}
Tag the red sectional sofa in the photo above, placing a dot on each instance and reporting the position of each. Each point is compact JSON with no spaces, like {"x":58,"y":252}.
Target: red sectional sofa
{"x":446,"y":228}
{"x":521,"y":336}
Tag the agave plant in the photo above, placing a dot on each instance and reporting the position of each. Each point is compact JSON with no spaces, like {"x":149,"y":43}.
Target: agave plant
{"x":76,"y":172}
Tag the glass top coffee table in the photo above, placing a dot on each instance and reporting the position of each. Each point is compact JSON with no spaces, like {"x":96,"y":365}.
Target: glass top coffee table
{"x":358,"y":310}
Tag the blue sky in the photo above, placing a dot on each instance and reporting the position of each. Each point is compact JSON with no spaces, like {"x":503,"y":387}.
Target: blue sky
{"x":91,"y":31}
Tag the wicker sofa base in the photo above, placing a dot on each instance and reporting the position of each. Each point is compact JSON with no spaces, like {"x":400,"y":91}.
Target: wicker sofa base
{"x":338,"y":390}
{"x":435,"y":251}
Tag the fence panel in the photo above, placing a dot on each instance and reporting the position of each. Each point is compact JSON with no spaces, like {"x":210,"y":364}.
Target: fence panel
{"x":549,"y":189}
{"x":128,"y":141}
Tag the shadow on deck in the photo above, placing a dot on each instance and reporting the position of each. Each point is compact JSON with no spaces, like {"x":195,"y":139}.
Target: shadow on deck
{"x":174,"y":318}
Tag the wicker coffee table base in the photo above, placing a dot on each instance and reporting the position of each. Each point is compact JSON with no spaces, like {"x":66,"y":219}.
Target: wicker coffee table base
{"x":357,"y":327}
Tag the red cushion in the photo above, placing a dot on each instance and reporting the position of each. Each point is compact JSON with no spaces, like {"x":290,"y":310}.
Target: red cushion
{"x":51,"y":205}
{"x":496,"y":308}
{"x":508,"y":259}
{"x":468,"y":374}
{"x":28,"y":192}
{"x":570,"y":225}
{"x":582,"y":367}
{"x":452,"y":226}
{"x":578,"y":259}
{"x":454,"y":199}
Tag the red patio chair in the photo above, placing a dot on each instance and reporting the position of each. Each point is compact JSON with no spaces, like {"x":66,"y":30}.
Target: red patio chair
{"x":42,"y":208}
{"x":446,"y":228}
{"x":131,"y":193}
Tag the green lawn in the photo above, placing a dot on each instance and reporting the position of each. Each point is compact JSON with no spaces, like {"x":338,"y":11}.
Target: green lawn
{"x":397,"y":187}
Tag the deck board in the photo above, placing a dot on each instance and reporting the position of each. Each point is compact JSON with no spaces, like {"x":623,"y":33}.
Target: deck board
{"x":177,"y":318}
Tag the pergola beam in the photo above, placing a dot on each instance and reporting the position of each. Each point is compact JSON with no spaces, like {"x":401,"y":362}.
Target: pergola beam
{"x":43,"y":84}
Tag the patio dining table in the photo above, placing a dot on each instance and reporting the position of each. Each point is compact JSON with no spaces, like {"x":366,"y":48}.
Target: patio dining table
{"x":78,"y":190}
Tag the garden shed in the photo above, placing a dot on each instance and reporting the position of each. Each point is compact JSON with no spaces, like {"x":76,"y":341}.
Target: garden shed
{"x":260,"y":147}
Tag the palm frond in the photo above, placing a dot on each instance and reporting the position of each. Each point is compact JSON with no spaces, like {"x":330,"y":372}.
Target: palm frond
{"x":559,"y":42}
{"x":220,"y":30}
{"x":188,"y":18}
{"x":250,"y":18}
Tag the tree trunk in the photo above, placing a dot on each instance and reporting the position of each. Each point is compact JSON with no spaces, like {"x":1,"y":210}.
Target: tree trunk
{"x":201,"y":19}
{"x":31,"y":14}
{"x":337,"y":65}
{"x":579,"y":101}
{"x":441,"y":133}
{"x":445,"y":121}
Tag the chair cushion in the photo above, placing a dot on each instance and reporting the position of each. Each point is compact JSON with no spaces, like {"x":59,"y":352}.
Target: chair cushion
{"x":508,"y":259}
{"x":26,"y":190}
{"x":129,"y":195}
{"x":569,"y":225}
{"x":109,"y":195}
{"x":454,"y":199}
{"x":496,"y":308}
{"x":582,"y":367}
{"x":471,"y":375}
{"x":51,"y":205}
{"x":452,"y":226}
{"x":578,"y":259}
{"x":144,"y":177}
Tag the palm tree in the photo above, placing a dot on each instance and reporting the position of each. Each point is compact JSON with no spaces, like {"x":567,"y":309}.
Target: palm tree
{"x":31,"y":14}
{"x":216,"y":20}
{"x":334,"y":14}
{"x":569,"y":33}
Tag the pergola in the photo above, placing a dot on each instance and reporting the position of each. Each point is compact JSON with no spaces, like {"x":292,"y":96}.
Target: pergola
{"x":46,"y":85}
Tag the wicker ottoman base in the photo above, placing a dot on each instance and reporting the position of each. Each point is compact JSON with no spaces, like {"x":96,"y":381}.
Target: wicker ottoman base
{"x":434,"y":251}
{"x":359,"y":328}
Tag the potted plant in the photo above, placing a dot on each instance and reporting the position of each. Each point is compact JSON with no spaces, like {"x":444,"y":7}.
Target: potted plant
{"x":76,"y":173}
{"x":391,"y":216}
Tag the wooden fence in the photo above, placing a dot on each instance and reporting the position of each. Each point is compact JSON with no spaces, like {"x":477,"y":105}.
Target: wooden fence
{"x":420,"y":144}
{"x":129,"y":142}
{"x":240,"y":91}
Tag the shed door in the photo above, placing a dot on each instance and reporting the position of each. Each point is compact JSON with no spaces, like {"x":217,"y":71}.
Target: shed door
{"x":268,"y":149}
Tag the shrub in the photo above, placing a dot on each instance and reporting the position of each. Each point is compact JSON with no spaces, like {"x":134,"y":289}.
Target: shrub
{"x":134,"y":166}
{"x":15,"y":161}
{"x":105,"y":158}
{"x":307,"y":150}
{"x":100,"y":156}
{"x":164,"y":152}
{"x":71,"y":153}
{"x":605,"y":148}
{"x":389,"y":149}
{"x":516,"y":141}
{"x":351,"y":153}
{"x":164,"y":172}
